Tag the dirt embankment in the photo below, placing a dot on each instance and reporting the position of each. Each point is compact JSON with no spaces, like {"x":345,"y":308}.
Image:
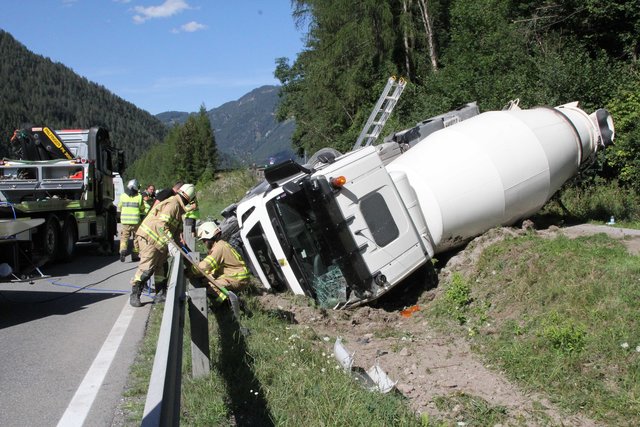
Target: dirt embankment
{"x":426,"y":363}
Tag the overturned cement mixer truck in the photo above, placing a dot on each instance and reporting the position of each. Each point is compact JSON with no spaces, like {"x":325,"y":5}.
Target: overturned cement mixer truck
{"x":345,"y":229}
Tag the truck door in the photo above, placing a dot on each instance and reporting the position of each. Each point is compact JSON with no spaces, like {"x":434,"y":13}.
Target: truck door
{"x":377,"y":217}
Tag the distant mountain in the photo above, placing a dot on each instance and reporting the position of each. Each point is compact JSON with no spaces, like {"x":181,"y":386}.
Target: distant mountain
{"x":246,"y":129}
{"x":38,"y":91}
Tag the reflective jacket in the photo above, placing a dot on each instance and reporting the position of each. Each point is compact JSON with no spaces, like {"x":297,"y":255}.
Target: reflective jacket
{"x":148,"y":204}
{"x":131,"y":207}
{"x":163,"y":222}
{"x":193,"y":214}
{"x":224,"y":262}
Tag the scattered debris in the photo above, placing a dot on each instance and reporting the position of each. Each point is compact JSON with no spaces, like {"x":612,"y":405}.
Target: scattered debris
{"x":375,"y":378}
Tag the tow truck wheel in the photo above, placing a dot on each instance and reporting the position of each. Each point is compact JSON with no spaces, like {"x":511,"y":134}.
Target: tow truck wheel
{"x":111,"y":228}
{"x":68,"y":240}
{"x":51,"y":237}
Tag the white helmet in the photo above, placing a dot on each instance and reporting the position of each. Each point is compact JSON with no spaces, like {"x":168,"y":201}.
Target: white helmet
{"x":208,"y":230}
{"x":133,"y":185}
{"x":188,"y":191}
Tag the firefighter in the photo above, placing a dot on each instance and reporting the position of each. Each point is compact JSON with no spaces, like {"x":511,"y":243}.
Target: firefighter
{"x":131,"y":207}
{"x":222,"y":262}
{"x":190,"y":219}
{"x":161,"y":225}
{"x":167,"y":192}
{"x":149,"y":197}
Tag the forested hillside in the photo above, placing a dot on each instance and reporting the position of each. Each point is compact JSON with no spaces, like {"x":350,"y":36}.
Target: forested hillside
{"x":456,"y":51}
{"x":246,"y":129}
{"x":35,"y":90}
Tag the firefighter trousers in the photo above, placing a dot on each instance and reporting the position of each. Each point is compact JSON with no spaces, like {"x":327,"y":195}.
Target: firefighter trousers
{"x":152,"y":262}
{"x":129,"y":231}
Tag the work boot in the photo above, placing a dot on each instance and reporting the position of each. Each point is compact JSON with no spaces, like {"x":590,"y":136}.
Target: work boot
{"x":136,"y":291}
{"x":135,"y":257}
{"x":161,"y":293}
{"x":123,"y":255}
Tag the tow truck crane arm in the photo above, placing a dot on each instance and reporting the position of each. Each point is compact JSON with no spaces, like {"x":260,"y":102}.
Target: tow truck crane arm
{"x":39,"y":143}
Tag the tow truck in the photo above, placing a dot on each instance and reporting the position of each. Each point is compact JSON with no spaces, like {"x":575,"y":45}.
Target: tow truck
{"x":56,"y":191}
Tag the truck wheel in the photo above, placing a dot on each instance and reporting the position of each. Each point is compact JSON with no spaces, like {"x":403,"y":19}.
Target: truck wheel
{"x":111,"y":227}
{"x":51,"y":238}
{"x":325,"y":155}
{"x":68,"y":240}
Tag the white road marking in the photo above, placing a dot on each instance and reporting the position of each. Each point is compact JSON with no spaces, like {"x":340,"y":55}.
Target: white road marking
{"x":81,"y":402}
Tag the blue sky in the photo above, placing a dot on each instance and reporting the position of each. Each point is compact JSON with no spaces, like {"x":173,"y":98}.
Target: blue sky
{"x":161,"y":55}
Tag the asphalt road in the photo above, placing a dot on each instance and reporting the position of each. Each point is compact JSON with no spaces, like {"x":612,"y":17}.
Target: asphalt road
{"x":63,"y":360}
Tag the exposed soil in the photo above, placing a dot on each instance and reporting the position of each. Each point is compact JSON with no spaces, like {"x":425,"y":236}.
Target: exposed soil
{"x":427,"y":363}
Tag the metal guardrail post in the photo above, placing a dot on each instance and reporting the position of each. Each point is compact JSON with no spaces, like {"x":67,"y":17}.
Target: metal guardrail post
{"x":162,"y":407}
{"x":200,"y":356}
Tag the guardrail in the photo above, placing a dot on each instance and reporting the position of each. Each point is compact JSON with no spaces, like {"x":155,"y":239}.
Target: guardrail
{"x":162,"y":407}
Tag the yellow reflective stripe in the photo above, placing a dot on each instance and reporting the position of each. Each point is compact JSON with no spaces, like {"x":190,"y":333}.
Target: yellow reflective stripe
{"x":241,"y":275}
{"x":169,"y":219}
{"x":235,"y":253}
{"x":162,"y":240}
{"x":212,"y":262}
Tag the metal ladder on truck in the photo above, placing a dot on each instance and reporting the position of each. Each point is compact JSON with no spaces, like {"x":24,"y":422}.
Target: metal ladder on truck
{"x":381,"y":112}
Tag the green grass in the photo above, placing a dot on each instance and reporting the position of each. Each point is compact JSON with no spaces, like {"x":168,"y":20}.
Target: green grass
{"x":227,"y":188}
{"x":473,"y":410}
{"x":560,"y":316}
{"x":281,"y":373}
{"x":135,"y":394}
{"x":595,"y":202}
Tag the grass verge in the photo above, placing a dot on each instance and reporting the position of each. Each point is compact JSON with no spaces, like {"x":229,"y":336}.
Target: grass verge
{"x":135,"y":394}
{"x":280,"y":374}
{"x":559,"y":316}
{"x":226,"y":188}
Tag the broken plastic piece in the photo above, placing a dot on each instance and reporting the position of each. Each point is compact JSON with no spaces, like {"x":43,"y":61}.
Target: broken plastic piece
{"x":409,"y":311}
{"x":342,"y":355}
{"x":374,"y":379}
{"x":381,"y":379}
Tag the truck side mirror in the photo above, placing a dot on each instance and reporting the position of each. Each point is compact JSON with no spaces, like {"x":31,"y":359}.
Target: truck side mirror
{"x":121,"y":163}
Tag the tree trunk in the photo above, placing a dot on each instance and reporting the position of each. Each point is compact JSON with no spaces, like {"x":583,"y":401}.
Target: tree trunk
{"x":406,"y":5}
{"x":428,"y":30}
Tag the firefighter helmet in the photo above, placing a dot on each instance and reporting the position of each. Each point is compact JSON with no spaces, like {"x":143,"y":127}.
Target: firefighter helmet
{"x":208,"y":230}
{"x":188,"y":192}
{"x":133,"y":185}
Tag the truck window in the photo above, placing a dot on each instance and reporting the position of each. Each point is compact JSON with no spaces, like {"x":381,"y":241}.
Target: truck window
{"x":107,"y":165}
{"x":379,"y":219}
{"x":303,"y":234}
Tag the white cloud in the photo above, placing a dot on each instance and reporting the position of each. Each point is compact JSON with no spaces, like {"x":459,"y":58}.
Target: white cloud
{"x":165,"y":10}
{"x":189,"y":27}
{"x":122,"y":1}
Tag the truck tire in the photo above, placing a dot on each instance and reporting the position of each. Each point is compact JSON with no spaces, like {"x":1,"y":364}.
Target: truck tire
{"x":68,"y":239}
{"x":51,"y":237}
{"x":111,"y":228}
{"x":325,"y":155}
